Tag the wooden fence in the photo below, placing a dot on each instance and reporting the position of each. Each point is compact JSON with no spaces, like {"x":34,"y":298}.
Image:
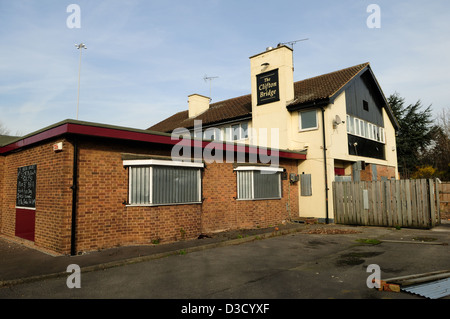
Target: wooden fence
{"x":397,"y":203}
{"x":445,"y":200}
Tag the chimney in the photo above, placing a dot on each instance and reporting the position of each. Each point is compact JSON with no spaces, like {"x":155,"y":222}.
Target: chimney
{"x":272,"y":82}
{"x":197,"y":104}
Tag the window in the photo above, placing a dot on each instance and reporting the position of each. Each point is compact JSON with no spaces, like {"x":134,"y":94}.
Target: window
{"x":160,"y":182}
{"x":235,"y":132}
{"x":305,"y":185}
{"x":308,"y":120}
{"x":365,"y":105}
{"x":362,"y":128}
{"x":258,"y":182}
{"x":244,"y":130}
{"x":212,"y":134}
{"x":350,"y":124}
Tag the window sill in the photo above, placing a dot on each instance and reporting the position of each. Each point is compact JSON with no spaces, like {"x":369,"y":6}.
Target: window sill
{"x":256,"y":199}
{"x":308,"y":129}
{"x":154,"y":205}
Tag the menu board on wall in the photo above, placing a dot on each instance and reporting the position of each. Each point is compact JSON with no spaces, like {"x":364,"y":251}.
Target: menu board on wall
{"x":26,"y":186}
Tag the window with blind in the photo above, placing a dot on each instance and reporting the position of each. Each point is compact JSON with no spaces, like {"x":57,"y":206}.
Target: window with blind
{"x":258,"y":182}
{"x":156,"y":182}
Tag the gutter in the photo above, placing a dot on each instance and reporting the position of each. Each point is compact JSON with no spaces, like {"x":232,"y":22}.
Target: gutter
{"x":74,"y":188}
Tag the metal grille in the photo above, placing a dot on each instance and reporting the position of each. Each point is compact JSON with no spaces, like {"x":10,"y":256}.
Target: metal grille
{"x":245,"y":184}
{"x":266,"y":184}
{"x":173,"y":185}
{"x":139,"y":185}
{"x":164,"y":185}
{"x":305,"y":183}
{"x":258,"y":185}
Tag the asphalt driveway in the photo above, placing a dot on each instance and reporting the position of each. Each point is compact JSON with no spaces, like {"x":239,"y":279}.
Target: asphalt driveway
{"x":307,"y":262}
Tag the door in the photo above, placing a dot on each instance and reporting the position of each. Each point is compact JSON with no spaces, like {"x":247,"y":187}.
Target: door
{"x":26,"y":202}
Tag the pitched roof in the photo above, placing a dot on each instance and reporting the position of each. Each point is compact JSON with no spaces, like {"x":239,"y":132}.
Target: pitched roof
{"x":324,"y":86}
{"x":235,"y":108}
{"x":305,"y":91}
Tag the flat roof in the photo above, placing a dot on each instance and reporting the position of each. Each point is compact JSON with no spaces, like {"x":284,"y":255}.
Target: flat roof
{"x":75,"y":127}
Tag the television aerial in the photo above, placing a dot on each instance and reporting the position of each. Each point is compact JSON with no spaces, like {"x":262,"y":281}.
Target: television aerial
{"x":291,"y":45}
{"x":209,"y":78}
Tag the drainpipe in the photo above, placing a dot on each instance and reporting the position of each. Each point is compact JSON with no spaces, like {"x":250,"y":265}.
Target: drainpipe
{"x":74,"y":188}
{"x":325,"y":164}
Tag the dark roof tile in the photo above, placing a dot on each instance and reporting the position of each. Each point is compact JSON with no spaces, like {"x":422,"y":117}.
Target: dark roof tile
{"x":305,"y":91}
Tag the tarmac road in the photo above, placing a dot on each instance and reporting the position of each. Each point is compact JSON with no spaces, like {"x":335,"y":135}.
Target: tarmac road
{"x":312,"y":263}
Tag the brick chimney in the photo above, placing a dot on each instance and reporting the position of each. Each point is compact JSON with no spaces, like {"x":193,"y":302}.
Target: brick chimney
{"x":197,"y":104}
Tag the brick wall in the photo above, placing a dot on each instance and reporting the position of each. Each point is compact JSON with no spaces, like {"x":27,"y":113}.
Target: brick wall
{"x":221,"y":210}
{"x":382,"y":171}
{"x":104,"y":221}
{"x":2,"y":161}
{"x":53,"y":194}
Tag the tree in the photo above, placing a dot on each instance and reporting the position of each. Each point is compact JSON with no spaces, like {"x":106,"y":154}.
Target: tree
{"x":415,"y":134}
{"x":426,"y":171}
{"x":3,"y":129}
{"x":438,"y":154}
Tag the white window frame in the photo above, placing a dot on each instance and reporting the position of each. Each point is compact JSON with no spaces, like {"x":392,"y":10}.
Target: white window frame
{"x":300,"y":128}
{"x":153,"y":162}
{"x":362,"y":128}
{"x":226,"y":133}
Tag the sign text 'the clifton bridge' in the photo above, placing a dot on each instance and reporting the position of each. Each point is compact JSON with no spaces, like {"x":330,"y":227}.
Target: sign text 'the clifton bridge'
{"x":268,"y":87}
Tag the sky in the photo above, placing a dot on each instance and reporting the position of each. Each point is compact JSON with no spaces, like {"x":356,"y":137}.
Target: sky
{"x":145,"y":57}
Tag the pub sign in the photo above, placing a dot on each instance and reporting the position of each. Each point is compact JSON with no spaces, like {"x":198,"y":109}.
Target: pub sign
{"x":268,"y":87}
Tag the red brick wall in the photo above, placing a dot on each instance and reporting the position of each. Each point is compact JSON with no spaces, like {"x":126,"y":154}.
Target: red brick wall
{"x":53,"y":194}
{"x":382,"y":171}
{"x":2,"y":161}
{"x":221,"y":210}
{"x":103,"y":221}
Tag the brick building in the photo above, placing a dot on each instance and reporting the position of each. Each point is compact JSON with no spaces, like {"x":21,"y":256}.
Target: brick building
{"x":77,"y":186}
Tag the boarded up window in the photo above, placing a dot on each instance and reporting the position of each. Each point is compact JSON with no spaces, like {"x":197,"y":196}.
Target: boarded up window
{"x":305,"y":185}
{"x":256,"y":184}
{"x":164,"y":185}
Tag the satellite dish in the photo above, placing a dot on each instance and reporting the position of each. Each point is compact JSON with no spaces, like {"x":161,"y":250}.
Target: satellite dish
{"x":337,"y":120}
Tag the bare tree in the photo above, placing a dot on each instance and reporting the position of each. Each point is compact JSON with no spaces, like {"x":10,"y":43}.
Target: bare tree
{"x":3,"y":129}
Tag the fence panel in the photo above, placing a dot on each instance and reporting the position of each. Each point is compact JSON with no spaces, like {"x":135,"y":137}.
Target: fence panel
{"x":403,"y":203}
{"x":444,"y":199}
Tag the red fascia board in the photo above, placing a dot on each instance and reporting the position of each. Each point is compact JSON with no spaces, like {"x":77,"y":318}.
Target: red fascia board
{"x":53,"y":132}
{"x":165,"y":139}
{"x":89,"y":130}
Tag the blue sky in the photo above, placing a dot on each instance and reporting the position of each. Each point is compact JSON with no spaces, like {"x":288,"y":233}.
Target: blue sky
{"x":145,"y":57}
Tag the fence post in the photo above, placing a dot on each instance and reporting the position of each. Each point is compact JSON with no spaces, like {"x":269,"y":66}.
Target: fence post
{"x":438,"y":201}
{"x":432,"y":203}
{"x":408,"y":203}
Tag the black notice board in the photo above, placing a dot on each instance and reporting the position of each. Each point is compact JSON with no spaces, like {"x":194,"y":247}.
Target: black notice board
{"x":268,"y":87}
{"x":26,"y":186}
